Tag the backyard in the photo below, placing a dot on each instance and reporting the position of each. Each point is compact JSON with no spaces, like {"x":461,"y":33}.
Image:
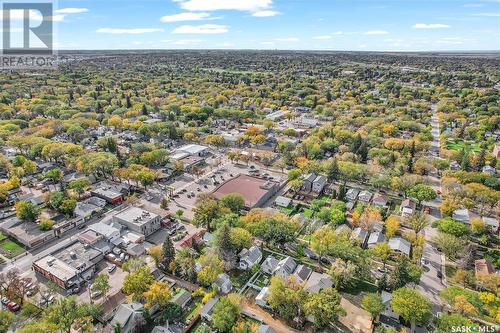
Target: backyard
{"x":9,"y":248}
{"x":459,"y":145}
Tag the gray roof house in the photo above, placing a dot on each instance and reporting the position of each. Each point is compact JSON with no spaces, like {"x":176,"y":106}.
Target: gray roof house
{"x":208,"y":309}
{"x":376,"y":237}
{"x":317,"y":282}
{"x":492,"y":222}
{"x":282,"y":201}
{"x":462,"y":215}
{"x":400,"y":245}
{"x":249,"y":258}
{"x":365,"y":196}
{"x":128,"y":316}
{"x":407,"y":207}
{"x":379,"y":200}
{"x":362,"y":235}
{"x":223,"y":283}
{"x":318,"y":184}
{"x":302,"y":273}
{"x":269,"y":265}
{"x":182,"y":298}
{"x":351,"y":194}
{"x":308,"y":182}
{"x":285,"y":267}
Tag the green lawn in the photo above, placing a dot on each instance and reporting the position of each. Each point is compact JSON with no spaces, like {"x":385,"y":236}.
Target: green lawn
{"x":288,"y":210}
{"x":2,"y":237}
{"x":361,"y":286}
{"x":458,"y":145}
{"x":10,"y":248}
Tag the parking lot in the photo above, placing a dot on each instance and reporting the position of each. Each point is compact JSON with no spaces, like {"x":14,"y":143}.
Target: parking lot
{"x":116,"y":278}
{"x":186,"y":187}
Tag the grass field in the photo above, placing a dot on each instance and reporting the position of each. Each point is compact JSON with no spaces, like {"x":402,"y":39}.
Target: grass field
{"x":10,"y":248}
{"x":459,"y":145}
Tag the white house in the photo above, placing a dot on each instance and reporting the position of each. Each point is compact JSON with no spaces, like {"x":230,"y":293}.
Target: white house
{"x":223,"y":284}
{"x":249,"y":258}
{"x":285,"y":267}
{"x":269,"y":265}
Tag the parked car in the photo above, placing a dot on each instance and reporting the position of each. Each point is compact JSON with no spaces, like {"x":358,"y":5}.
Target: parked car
{"x":75,"y":290}
{"x":111,"y":268}
{"x":13,"y":306}
{"x":439,"y":274}
{"x":5,"y":300}
{"x":382,"y":269}
{"x":95,"y":294}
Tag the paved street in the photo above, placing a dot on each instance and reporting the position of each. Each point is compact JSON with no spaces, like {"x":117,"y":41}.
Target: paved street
{"x":430,"y":285}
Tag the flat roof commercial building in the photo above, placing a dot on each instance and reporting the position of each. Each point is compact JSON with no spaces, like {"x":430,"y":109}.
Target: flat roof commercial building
{"x":255,"y":191}
{"x":139,"y":220}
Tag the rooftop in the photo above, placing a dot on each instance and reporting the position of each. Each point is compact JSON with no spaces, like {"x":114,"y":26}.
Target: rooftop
{"x":251,"y":188}
{"x":57,"y":267}
{"x":135,"y":215}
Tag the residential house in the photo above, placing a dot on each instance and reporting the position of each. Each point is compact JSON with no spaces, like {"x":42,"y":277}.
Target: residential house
{"x":489,"y":170}
{"x":285,"y":267}
{"x":352,"y":194}
{"x":375,"y":238}
{"x":208,"y":309}
{"x":269,"y":265}
{"x":282,"y":201}
{"x":388,"y":318}
{"x":318,"y":184}
{"x":182,"y":298}
{"x":362,"y":236}
{"x":249,"y":258}
{"x":128,"y":316}
{"x":492,"y":223}
{"x":407,"y":207}
{"x":483,"y":267}
{"x":317,"y":282}
{"x":223,"y":284}
{"x":308,"y":182}
{"x":365,"y":196}
{"x":400,"y":245}
{"x":462,"y":215}
{"x":260,"y":299}
{"x":380,"y":200}
{"x":302,"y":273}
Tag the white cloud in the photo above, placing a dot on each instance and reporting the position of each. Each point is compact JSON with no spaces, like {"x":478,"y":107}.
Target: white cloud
{"x":266,"y":13}
{"x":187,"y":41}
{"x":323,"y":37}
{"x":376,"y":32}
{"x":487,"y":14}
{"x":338,"y":33}
{"x":201,"y":29}
{"x":473,"y":5}
{"x":287,"y":39}
{"x":71,"y":10}
{"x":185,"y":17}
{"x":430,"y":26}
{"x":241,"y":5}
{"x":131,"y":31}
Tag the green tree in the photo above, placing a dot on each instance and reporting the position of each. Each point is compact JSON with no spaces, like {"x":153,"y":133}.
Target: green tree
{"x":225,"y":314}
{"x":168,"y":252}
{"x":373,"y":304}
{"x":233,"y":201}
{"x":412,"y":306}
{"x":67,"y":207}
{"x":79,"y":185}
{"x":404,"y":272}
{"x":342,"y":273}
{"x":449,"y":244}
{"x":382,"y":251}
{"x":421,"y":192}
{"x":446,"y":322}
{"x":452,"y":227}
{"x":212,"y":266}
{"x":27,"y":211}
{"x":417,"y":221}
{"x":55,"y":175}
{"x":138,"y":282}
{"x":101,"y":284}
{"x":6,"y":318}
{"x":65,"y":312}
{"x":324,"y":307}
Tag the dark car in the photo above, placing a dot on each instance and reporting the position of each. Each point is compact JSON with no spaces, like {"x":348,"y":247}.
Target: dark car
{"x":439,"y":274}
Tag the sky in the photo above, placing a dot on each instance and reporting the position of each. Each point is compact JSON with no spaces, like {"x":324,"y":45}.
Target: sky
{"x":357,"y":25}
